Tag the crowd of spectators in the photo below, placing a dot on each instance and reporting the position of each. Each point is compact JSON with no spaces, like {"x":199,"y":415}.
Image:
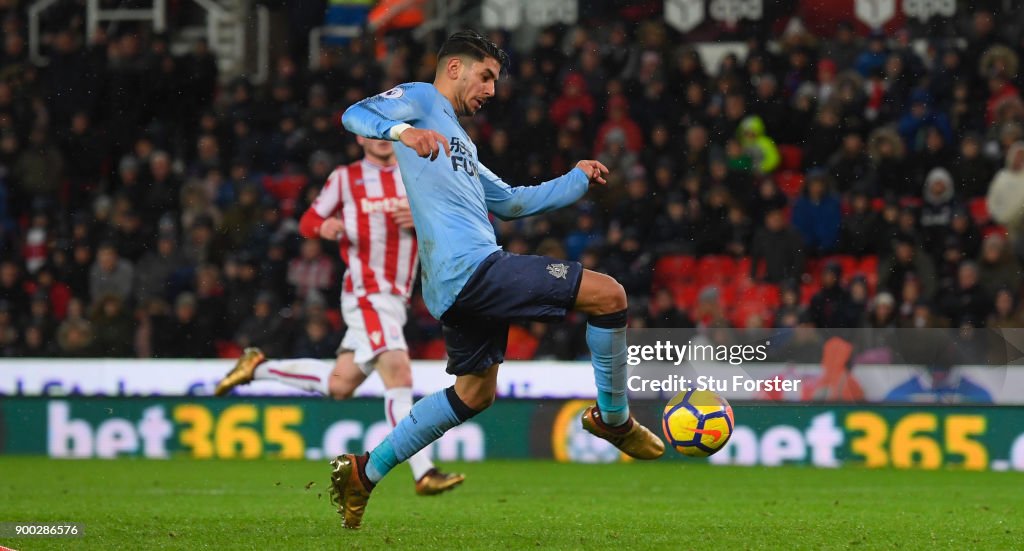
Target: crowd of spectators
{"x":148,"y":209}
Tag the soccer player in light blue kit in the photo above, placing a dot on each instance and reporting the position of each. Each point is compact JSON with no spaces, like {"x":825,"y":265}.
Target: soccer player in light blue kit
{"x":469,"y":283}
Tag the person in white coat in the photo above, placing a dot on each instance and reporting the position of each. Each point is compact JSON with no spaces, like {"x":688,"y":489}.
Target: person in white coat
{"x":1006,"y":197}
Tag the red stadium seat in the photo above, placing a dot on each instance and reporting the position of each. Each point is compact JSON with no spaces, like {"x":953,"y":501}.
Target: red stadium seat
{"x":808,"y":290}
{"x":672,"y":269}
{"x":740,"y":316}
{"x":790,"y":183}
{"x":743,"y":267}
{"x":758,"y":270}
{"x":847,"y":262}
{"x":979,"y":211}
{"x":763,"y":295}
{"x":684,"y":295}
{"x":812,"y":268}
{"x":868,"y":267}
{"x":715,"y":269}
{"x":727,"y":293}
{"x":792,"y":158}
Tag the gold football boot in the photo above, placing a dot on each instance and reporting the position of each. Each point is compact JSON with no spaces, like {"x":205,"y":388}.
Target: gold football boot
{"x":634,"y":439}
{"x":349,"y":489}
{"x":242,"y":373}
{"x":435,"y":482}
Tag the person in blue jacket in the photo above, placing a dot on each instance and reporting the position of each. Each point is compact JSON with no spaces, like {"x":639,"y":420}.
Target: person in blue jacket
{"x":817,"y":215}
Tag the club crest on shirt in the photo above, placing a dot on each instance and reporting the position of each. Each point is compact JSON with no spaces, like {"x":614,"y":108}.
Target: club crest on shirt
{"x":558,"y":270}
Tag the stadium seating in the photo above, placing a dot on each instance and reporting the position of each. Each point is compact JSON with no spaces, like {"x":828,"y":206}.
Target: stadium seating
{"x":685,"y":294}
{"x":671,"y":269}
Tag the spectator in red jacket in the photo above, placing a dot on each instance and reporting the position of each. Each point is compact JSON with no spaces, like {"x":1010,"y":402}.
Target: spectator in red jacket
{"x":618,"y":119}
{"x":1001,"y":91}
{"x":574,"y":100}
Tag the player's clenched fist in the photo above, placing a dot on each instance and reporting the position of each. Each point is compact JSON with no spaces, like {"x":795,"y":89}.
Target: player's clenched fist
{"x":332,"y":229}
{"x":426,"y":143}
{"x":403,"y":218}
{"x":595,"y":170}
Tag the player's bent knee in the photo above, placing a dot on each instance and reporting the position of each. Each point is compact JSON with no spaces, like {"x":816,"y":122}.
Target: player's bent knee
{"x":612,"y":298}
{"x":617,"y":298}
{"x":395,"y":369}
{"x":345,"y":377}
{"x":600,"y":294}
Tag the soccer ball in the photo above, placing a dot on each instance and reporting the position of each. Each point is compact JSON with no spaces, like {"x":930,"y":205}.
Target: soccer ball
{"x":697,"y":423}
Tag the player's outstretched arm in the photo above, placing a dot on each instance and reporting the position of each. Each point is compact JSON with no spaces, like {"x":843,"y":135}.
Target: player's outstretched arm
{"x":507,"y":202}
{"x":389,"y":116}
{"x":384,"y":116}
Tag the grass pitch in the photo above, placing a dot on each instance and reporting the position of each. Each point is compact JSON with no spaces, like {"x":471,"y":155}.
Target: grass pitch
{"x":185,"y":504}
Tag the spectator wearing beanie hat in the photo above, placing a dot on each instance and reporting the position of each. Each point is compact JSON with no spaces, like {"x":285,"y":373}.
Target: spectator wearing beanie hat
{"x":831,"y":306}
{"x":937,"y":209}
{"x":906,"y":259}
{"x":779,"y":246}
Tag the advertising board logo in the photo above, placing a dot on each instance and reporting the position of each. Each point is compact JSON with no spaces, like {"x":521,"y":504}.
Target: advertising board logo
{"x":571,"y":443}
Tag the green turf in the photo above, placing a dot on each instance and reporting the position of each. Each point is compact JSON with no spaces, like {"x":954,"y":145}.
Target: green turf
{"x":183,"y":504}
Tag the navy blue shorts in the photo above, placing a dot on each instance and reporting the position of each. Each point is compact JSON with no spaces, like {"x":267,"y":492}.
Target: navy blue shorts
{"x":504,"y":288}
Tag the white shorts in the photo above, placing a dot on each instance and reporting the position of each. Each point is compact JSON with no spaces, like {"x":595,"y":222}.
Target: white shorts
{"x":374,"y":325}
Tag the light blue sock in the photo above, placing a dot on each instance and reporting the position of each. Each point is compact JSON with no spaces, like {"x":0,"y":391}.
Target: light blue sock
{"x":430,"y":417}
{"x":608,"y":355}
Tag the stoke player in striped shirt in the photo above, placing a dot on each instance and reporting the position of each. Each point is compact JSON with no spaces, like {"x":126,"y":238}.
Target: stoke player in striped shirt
{"x":363,"y":207}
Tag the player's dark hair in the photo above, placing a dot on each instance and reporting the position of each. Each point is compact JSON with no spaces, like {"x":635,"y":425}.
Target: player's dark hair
{"x":474,"y":45}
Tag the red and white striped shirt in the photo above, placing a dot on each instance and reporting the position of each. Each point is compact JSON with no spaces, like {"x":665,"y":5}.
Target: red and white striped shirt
{"x":381,"y":257}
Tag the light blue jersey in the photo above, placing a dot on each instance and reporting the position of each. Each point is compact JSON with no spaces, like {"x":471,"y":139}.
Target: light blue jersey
{"x":450,"y":197}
